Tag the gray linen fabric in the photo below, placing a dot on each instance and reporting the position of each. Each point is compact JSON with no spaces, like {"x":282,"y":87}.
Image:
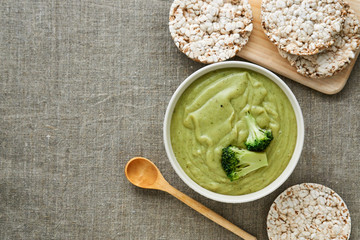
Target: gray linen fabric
{"x":84,"y":86}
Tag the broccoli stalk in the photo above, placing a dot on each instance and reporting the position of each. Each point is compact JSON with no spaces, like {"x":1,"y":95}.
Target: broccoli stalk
{"x":239,"y":162}
{"x":258,"y":138}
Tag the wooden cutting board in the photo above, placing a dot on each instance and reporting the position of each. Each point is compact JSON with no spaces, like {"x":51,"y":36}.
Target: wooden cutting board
{"x":263,"y":52}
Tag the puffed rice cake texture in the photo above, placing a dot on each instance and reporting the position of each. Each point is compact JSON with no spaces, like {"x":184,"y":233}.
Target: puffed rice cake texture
{"x":308,"y":211}
{"x":336,"y":58}
{"x":302,"y":27}
{"x":210,"y":31}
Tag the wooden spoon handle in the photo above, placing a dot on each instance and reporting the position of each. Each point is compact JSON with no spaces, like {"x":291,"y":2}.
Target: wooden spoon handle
{"x":208,"y":213}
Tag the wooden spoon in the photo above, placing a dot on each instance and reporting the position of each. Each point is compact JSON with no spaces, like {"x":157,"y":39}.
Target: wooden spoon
{"x":143,"y":173}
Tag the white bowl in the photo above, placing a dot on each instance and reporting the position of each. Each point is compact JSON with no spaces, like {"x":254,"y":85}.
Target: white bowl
{"x":229,"y":198}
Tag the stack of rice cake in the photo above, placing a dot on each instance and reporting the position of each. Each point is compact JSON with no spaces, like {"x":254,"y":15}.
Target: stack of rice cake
{"x":319,"y":38}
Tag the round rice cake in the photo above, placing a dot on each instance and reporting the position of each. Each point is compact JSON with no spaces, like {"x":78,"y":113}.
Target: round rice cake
{"x":333,"y":60}
{"x":308,"y":211}
{"x":302,"y":27}
{"x":210,"y":31}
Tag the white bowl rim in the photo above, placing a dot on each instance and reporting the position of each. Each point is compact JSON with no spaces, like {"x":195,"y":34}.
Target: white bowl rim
{"x":238,"y":198}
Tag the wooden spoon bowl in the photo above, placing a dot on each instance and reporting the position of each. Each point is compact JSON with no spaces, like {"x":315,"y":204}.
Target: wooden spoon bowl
{"x":142,"y":173}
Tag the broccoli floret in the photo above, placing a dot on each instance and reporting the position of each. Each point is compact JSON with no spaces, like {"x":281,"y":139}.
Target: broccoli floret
{"x":258,"y":138}
{"x":239,"y":162}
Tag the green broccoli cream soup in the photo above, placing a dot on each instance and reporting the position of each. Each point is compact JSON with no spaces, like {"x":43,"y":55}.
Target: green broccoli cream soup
{"x":210,"y":115}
